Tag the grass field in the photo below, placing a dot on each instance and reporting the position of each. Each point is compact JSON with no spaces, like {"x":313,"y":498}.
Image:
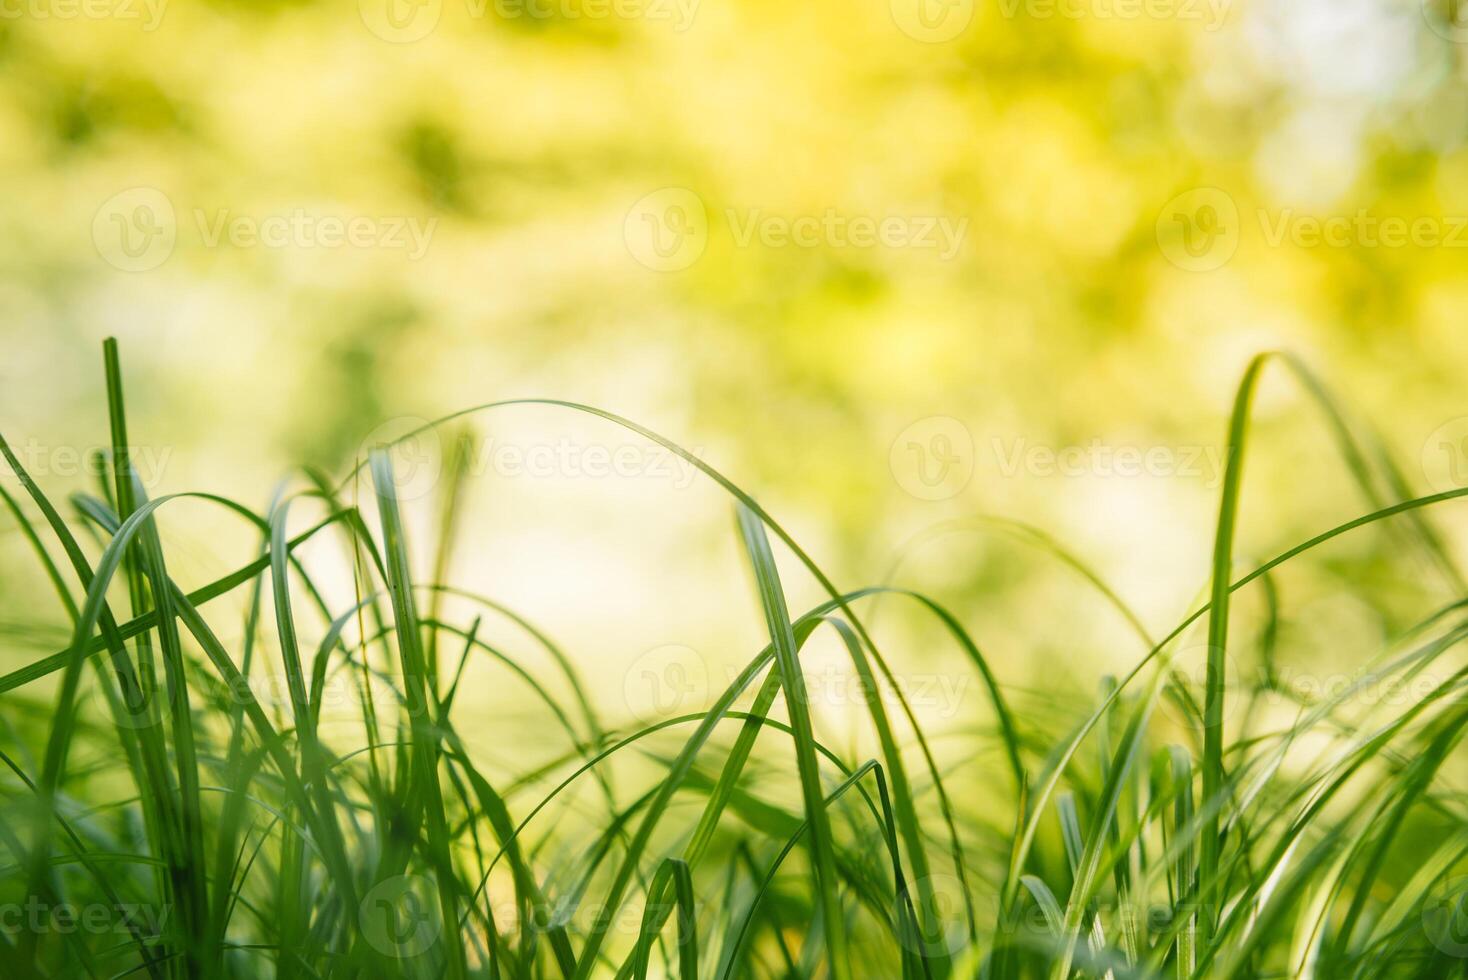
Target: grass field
{"x":168,"y":814}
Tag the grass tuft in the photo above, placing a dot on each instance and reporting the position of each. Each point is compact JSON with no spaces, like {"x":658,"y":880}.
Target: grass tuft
{"x":162,"y":819}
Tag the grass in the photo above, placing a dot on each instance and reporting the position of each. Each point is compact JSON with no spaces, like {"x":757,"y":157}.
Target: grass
{"x":162,"y":821}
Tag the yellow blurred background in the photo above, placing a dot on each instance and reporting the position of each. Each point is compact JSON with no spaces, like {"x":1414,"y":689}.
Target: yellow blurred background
{"x":888,"y":264}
